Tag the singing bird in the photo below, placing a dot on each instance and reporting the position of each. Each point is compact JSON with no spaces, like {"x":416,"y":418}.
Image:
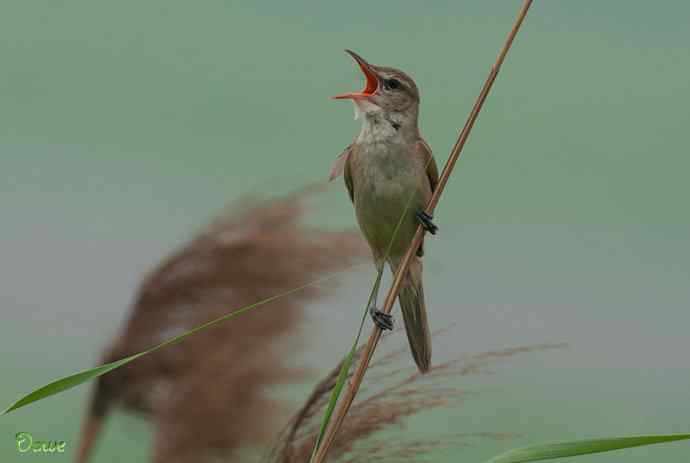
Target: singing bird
{"x":390,"y":176}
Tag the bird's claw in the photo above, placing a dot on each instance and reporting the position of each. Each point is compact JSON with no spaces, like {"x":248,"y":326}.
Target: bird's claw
{"x":427,"y":222}
{"x":381,"y":319}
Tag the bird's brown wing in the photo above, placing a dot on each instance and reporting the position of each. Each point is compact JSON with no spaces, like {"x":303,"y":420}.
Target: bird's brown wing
{"x":339,"y":164}
{"x":424,"y":150}
{"x":342,"y":166}
{"x":348,"y":176}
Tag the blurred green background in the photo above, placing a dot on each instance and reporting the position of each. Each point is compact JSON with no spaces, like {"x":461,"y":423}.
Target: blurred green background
{"x":124,"y":126}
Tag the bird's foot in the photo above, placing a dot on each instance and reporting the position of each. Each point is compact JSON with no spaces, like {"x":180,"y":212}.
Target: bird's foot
{"x":427,"y":222}
{"x":381,"y":319}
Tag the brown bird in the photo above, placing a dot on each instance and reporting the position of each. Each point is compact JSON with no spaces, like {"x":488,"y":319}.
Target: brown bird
{"x":390,"y":176}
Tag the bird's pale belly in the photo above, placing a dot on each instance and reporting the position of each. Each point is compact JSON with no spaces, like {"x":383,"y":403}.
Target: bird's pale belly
{"x":385,"y":204}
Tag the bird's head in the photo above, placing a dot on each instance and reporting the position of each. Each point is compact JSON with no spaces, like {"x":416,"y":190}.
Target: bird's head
{"x":387,"y":90}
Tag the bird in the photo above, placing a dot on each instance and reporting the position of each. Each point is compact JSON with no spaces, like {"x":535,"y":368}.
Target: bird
{"x":390,"y":175}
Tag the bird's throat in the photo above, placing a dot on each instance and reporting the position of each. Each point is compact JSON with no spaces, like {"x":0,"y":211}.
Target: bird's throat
{"x":364,"y":108}
{"x":379,"y":126}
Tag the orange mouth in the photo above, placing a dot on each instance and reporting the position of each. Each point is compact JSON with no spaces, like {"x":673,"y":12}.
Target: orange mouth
{"x":372,"y":83}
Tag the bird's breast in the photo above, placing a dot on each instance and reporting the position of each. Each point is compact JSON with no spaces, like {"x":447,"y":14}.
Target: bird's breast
{"x":384,"y":168}
{"x":385,"y":178}
{"x":387,"y":194}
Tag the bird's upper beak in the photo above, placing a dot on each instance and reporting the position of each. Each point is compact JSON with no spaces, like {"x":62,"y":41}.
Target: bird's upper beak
{"x":372,"y":83}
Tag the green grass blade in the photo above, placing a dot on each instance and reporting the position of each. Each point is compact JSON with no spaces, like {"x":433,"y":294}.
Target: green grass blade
{"x":68,"y":383}
{"x":76,"y":379}
{"x":344,"y":370}
{"x":582,"y":447}
{"x":342,"y":375}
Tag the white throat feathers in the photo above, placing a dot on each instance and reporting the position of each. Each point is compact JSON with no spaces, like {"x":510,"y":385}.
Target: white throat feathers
{"x":377,"y":125}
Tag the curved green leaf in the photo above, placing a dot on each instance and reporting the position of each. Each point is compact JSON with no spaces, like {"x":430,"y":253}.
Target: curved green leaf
{"x":76,"y":379}
{"x":68,"y":383}
{"x":582,"y":447}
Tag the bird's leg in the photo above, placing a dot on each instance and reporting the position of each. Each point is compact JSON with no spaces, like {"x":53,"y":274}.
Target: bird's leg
{"x":381,"y":319}
{"x":427,"y":222}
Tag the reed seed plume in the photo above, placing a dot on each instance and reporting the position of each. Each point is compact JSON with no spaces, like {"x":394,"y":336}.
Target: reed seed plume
{"x":206,"y":397}
{"x":394,"y":393}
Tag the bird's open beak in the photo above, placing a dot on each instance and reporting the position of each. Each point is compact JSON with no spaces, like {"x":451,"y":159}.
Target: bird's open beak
{"x":372,"y":83}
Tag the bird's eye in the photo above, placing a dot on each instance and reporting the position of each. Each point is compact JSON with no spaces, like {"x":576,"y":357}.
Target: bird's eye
{"x":392,"y":83}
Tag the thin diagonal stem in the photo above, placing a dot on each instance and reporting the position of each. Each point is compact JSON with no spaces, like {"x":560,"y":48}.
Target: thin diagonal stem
{"x":356,"y":381}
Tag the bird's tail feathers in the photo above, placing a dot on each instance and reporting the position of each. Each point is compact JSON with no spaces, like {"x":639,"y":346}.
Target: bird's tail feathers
{"x":413,"y":307}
